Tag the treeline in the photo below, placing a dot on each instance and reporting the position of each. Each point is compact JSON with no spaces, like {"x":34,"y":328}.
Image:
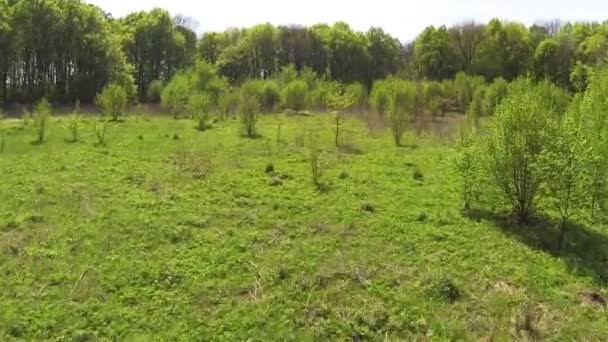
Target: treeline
{"x":67,"y":50}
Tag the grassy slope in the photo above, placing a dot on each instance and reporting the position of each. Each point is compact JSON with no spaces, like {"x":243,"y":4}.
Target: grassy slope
{"x":186,"y":239}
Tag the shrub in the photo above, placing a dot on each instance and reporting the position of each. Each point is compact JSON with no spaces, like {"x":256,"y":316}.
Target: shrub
{"x":249,"y":106}
{"x":269,"y":168}
{"x":518,"y":136}
{"x":176,"y":95}
{"x":469,"y":166}
{"x":100,"y":132}
{"x":287,"y":75}
{"x":294,"y":95}
{"x":73,"y":125}
{"x":464,"y":89}
{"x":476,"y":108}
{"x":338,"y":101}
{"x":592,"y":111}
{"x":113,"y":101}
{"x":267,"y":92}
{"x":433,"y":95}
{"x":229,"y":103}
{"x":205,"y":78}
{"x":199,"y":106}
{"x":357,"y":93}
{"x":41,"y":118}
{"x":155,"y":90}
{"x":319,"y":95}
{"x":418,"y":175}
{"x":494,"y":94}
{"x":380,"y":95}
{"x":401,"y":102}
{"x":316,"y":167}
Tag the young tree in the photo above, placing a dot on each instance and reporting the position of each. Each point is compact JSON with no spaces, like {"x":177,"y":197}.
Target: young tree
{"x":41,"y":117}
{"x":519,"y":135}
{"x":113,"y":101}
{"x":176,"y":95}
{"x":565,"y":166}
{"x":593,"y":114}
{"x":249,"y":106}
{"x":199,"y":107}
{"x":339,"y":101}
{"x":295,"y":95}
{"x":400,"y":106}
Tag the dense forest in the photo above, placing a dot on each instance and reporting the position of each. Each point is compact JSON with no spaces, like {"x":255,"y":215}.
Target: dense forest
{"x":66,"y":50}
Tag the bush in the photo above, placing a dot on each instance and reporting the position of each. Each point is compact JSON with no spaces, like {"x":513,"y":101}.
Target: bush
{"x":155,"y":90}
{"x":199,"y":107}
{"x":494,"y":94}
{"x":229,"y":103}
{"x":319,"y":95}
{"x":518,"y":136}
{"x":287,"y":75}
{"x":113,"y":101}
{"x":73,"y":125}
{"x":267,"y":92}
{"x":249,"y":106}
{"x":467,"y":162}
{"x":476,"y":108}
{"x":464,"y":89}
{"x":41,"y":118}
{"x":316,"y":167}
{"x":205,"y":78}
{"x":357,"y":93}
{"x":176,"y":95}
{"x":294,"y":96}
{"x":380,"y":95}
{"x":433,"y":95}
{"x":401,"y":102}
{"x":100,"y":132}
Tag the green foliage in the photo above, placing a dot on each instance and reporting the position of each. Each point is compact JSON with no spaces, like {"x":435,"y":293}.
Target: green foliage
{"x":401,"y":104}
{"x":41,"y":119}
{"x":199,"y":106}
{"x":565,"y":168}
{"x":155,"y":91}
{"x":100,"y":129}
{"x":476,"y":107}
{"x":494,"y":94}
{"x":267,"y":91}
{"x":205,"y":79}
{"x":249,"y":107}
{"x":357,"y":93}
{"x":433,"y":98}
{"x":59,"y":199}
{"x":518,"y":137}
{"x":73,"y":125}
{"x":176,"y":95}
{"x":229,"y":102}
{"x":319,"y":96}
{"x":288,"y":75}
{"x":113,"y":101}
{"x":464,"y":88}
{"x":469,"y":165}
{"x":381,"y":94}
{"x":339,"y":100}
{"x":592,"y":110}
{"x":295,"y":95}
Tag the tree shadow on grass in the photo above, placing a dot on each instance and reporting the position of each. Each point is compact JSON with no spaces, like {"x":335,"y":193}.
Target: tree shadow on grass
{"x":585,"y":250}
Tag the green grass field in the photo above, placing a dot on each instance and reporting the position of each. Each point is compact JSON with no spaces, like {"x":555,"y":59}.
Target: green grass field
{"x":169,"y":233}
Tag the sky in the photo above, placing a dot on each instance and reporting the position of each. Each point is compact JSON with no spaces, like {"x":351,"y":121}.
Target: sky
{"x":402,"y":19}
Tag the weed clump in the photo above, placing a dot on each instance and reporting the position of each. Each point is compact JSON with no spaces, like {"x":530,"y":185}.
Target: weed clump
{"x":343,"y":175}
{"x":422,"y":217}
{"x":445,"y":289}
{"x":269,"y":168}
{"x":418,"y":175}
{"x":368,"y":207}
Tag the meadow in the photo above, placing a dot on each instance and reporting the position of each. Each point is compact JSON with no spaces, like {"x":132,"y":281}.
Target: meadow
{"x":166,"y":232}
